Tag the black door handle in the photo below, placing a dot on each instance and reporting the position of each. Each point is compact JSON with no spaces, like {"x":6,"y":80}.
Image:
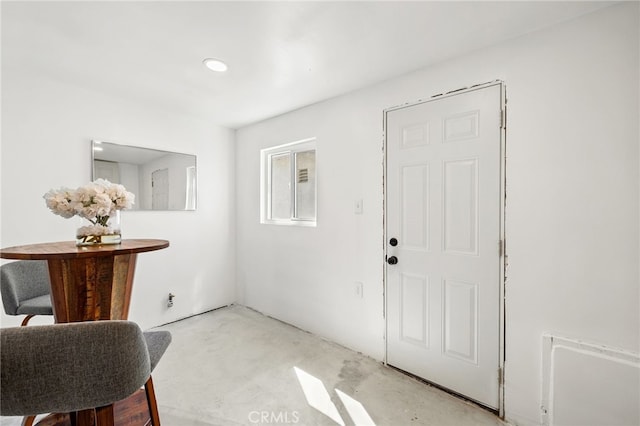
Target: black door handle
{"x":392,"y":260}
{"x":393,"y":242}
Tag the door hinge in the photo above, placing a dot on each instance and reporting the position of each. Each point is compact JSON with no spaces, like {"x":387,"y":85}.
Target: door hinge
{"x":501,"y":248}
{"x":503,"y":118}
{"x":500,"y":376}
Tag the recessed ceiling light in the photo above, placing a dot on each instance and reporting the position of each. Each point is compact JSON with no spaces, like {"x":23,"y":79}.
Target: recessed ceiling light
{"x":215,"y":64}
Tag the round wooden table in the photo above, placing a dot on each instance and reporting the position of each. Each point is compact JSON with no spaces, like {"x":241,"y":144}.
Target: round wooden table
{"x":91,"y":283}
{"x":88,"y":283}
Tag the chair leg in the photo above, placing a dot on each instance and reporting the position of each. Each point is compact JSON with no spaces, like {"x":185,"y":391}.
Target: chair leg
{"x":28,"y":420}
{"x":26,"y":320}
{"x":104,"y":416}
{"x":151,"y":401}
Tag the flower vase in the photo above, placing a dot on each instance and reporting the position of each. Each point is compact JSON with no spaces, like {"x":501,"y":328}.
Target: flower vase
{"x":99,"y":230}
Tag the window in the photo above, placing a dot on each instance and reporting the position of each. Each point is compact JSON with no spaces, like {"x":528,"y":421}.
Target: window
{"x":190,"y":199}
{"x":288,"y":195}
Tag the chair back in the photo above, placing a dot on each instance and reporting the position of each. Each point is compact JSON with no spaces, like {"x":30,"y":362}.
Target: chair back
{"x":22,"y":280}
{"x":70,"y":367}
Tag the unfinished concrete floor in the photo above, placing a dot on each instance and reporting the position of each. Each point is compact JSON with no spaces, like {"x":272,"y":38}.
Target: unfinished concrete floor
{"x":235,"y":366}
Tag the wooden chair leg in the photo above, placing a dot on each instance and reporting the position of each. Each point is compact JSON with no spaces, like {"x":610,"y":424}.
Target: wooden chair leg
{"x":104,"y":416}
{"x":26,"y":320}
{"x":151,"y":401}
{"x":28,"y":420}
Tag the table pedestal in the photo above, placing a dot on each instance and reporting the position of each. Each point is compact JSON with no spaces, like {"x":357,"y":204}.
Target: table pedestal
{"x":92,"y":288}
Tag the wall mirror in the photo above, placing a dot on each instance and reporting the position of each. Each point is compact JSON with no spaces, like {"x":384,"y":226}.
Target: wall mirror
{"x":160,"y":180}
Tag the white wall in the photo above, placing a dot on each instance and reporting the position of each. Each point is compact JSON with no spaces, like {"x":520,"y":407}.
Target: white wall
{"x":572,"y":199}
{"x":47,"y":126}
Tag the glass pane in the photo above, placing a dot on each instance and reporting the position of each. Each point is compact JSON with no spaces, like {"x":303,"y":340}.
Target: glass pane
{"x":280,"y":186}
{"x":305,"y":185}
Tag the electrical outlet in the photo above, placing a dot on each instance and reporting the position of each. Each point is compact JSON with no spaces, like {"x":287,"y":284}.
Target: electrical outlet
{"x":358,"y":206}
{"x":357,"y":287}
{"x":170,"y":301}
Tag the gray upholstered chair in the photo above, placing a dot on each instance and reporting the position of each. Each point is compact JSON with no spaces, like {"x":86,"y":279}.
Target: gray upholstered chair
{"x":76,"y":367}
{"x":25,"y":288}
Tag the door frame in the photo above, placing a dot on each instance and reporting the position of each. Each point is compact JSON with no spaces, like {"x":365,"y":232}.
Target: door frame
{"x":503,"y":246}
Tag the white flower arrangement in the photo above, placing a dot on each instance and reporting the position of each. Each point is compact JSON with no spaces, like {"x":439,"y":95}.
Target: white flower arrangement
{"x":96,"y":202}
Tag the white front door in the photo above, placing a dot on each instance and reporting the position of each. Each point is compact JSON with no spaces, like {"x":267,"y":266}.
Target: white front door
{"x":443,"y":232}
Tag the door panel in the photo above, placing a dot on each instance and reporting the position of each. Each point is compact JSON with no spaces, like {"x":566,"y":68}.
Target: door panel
{"x":461,"y":320}
{"x":415,"y":305}
{"x":460,"y":196}
{"x":443,"y":195}
{"x":415,"y":206}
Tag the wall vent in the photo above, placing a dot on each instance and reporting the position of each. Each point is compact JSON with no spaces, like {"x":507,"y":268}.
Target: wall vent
{"x":303,"y":175}
{"x":588,"y":384}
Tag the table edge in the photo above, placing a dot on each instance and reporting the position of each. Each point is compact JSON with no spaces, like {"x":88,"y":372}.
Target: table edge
{"x":70,"y":250}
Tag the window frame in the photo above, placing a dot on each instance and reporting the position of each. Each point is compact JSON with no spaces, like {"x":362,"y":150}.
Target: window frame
{"x":290,"y":149}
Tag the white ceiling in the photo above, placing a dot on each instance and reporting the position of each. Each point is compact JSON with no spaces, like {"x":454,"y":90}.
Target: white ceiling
{"x":281,"y":55}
